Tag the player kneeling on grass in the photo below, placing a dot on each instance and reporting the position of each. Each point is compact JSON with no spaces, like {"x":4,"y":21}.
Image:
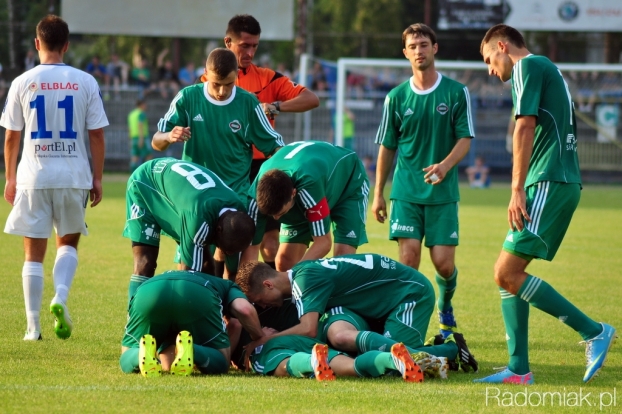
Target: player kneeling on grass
{"x":355,"y":282}
{"x":183,"y":311}
{"x":301,"y":356}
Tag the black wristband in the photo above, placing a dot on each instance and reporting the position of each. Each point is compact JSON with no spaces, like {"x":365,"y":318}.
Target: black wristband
{"x":277,"y":105}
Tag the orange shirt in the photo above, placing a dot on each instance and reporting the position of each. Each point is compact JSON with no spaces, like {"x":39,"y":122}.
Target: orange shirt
{"x":269,"y":86}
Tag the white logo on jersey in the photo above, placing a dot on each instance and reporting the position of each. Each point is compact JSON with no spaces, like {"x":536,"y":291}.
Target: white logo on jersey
{"x":235,"y":126}
{"x":454,"y":235}
{"x":408,"y":112}
{"x":442,"y":109}
{"x":351,"y":235}
{"x":198,"y":118}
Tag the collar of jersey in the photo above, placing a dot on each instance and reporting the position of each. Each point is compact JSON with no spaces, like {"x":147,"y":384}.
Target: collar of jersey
{"x":427,"y":91}
{"x":214,"y":101}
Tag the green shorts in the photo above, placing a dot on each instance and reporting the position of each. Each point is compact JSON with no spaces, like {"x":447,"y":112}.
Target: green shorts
{"x":408,"y":323}
{"x":437,"y":223}
{"x":339,"y":313}
{"x":140,"y":225}
{"x":267,"y":357}
{"x":550,"y":206}
{"x":163,"y":307}
{"x":141,"y":152}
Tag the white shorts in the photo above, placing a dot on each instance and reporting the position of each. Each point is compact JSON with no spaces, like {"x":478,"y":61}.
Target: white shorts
{"x":36,"y":211}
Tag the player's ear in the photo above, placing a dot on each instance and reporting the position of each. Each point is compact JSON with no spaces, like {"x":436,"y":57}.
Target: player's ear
{"x":268,"y":284}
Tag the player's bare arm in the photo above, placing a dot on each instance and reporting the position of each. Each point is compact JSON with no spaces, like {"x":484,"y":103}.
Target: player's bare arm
{"x":11,"y":150}
{"x":305,"y":101}
{"x":320,"y":248}
{"x":98,"y":151}
{"x":243,"y":311}
{"x":383,"y":167}
{"x":522,"y":149}
{"x":162,"y":140}
{"x":459,"y":151}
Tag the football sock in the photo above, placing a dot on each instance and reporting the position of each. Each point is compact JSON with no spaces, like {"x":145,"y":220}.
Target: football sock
{"x":219,"y":268}
{"x":516,"y":319}
{"x":541,"y":295}
{"x":371,"y":341}
{"x":129,"y":360}
{"x":135,"y":282}
{"x":448,"y":350}
{"x":446,"y":289}
{"x":64,"y":271}
{"x":373,"y":364}
{"x":209,"y":360}
{"x":299,"y":365}
{"x":32,"y":282}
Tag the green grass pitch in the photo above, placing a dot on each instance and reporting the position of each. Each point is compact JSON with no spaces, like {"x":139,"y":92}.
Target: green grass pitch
{"x":82,"y":374}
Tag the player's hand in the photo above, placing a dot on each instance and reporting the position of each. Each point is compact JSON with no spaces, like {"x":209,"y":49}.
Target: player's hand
{"x":96,"y":193}
{"x":248,"y":350}
{"x":379,"y":207}
{"x":10,"y":189}
{"x":267,"y":331}
{"x":435,"y":174}
{"x":270,"y":110}
{"x":517,"y":210}
{"x":179,"y":134}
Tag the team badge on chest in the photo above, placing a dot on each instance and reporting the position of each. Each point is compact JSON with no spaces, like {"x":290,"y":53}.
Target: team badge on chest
{"x":235,"y":126}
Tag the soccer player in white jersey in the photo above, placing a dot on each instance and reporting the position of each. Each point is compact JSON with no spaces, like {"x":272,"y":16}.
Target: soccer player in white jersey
{"x":56,"y":105}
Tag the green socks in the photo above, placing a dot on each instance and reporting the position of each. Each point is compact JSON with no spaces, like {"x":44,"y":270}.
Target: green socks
{"x":373,"y":364}
{"x":129,"y":361}
{"x":135,"y":281}
{"x":371,"y":341}
{"x":541,"y":295}
{"x":446,"y":289}
{"x":516,"y":318}
{"x":209,"y":360}
{"x":299,"y":365}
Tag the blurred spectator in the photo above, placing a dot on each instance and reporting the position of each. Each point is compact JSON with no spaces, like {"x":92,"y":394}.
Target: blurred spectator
{"x":97,"y":70}
{"x":117,"y":71}
{"x":478,"y":174}
{"x":318,"y":78}
{"x":386,"y":80}
{"x":200,"y":70}
{"x":140,"y":140}
{"x":31,"y":60}
{"x":610,"y":88}
{"x":583,"y":86}
{"x":348,"y":129}
{"x":282,"y":69}
{"x":187,"y":75}
{"x":167,"y":78}
{"x":355,"y":83}
{"x":141,"y":74}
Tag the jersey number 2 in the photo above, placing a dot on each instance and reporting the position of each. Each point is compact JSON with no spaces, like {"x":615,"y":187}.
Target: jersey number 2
{"x":39,"y":105}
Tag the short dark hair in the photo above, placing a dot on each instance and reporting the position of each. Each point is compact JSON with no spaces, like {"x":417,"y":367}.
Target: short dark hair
{"x":416,"y":30}
{"x":139,"y":102}
{"x":53,"y":33}
{"x":274,"y":190}
{"x":235,"y":231}
{"x":503,"y":31}
{"x":252,"y":274}
{"x":243,"y":23}
{"x":222,"y":61}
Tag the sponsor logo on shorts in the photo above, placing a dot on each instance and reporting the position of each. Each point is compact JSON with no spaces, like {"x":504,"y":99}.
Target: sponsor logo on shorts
{"x":235,"y":126}
{"x":442,"y":109}
{"x":400,"y":227}
{"x":454,"y":235}
{"x":150,"y":232}
{"x":387,"y":334}
{"x":510,"y":238}
{"x":289,"y":233}
{"x":351,"y":235}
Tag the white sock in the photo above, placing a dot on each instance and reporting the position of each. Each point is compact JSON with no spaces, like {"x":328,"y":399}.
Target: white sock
{"x":64,"y":271}
{"x":32,"y":281}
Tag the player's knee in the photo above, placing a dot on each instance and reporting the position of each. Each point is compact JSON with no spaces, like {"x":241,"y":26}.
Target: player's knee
{"x":284,"y":263}
{"x":445,"y":269}
{"x":411,"y":259}
{"x":341,"y":339}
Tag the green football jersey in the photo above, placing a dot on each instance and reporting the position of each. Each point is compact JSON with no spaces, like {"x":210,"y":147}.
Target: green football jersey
{"x":322,"y":175}
{"x":539,"y":89}
{"x":425,"y":126}
{"x":223,"y":132}
{"x":186,"y":200}
{"x":369,"y":285}
{"x":226,"y":290}
{"x":135,"y":119}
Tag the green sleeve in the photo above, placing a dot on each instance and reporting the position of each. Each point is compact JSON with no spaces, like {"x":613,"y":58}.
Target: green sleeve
{"x":463,"y":121}
{"x":176,"y":115}
{"x":389,"y":129}
{"x":261,"y":133}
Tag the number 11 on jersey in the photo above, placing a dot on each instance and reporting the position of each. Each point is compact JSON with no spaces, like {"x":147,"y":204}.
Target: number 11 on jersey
{"x":39,"y":105}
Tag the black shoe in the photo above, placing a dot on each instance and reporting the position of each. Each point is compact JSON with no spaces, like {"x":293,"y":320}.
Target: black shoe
{"x":465,"y":358}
